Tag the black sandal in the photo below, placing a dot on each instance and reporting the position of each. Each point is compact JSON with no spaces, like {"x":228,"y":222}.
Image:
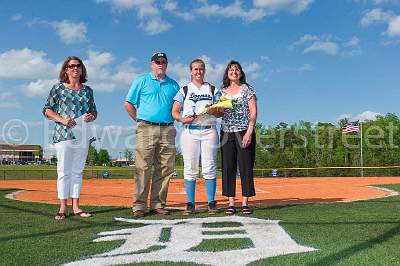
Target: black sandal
{"x":60,"y":216}
{"x":246,"y":210}
{"x":231,"y":210}
{"x":82,"y":214}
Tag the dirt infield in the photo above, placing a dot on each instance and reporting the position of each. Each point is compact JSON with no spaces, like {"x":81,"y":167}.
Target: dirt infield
{"x":270,"y":191}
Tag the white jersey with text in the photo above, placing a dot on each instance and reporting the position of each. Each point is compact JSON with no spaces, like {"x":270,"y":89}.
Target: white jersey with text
{"x":196,"y":100}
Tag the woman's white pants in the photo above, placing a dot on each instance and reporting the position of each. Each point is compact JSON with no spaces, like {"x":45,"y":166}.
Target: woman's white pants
{"x":71,"y":159}
{"x":199,"y":144}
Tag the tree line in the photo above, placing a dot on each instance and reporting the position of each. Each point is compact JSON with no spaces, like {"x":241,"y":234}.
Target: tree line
{"x":324,"y":145}
{"x":304,"y":144}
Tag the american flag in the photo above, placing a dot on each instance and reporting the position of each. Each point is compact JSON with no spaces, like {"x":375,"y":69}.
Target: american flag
{"x":351,"y":127}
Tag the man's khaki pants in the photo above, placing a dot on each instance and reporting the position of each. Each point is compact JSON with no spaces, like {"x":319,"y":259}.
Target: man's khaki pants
{"x":155,"y":148}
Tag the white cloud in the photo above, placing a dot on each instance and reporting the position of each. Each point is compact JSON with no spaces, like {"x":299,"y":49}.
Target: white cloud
{"x":353,"y":42}
{"x":294,"y":6}
{"x":303,"y":68}
{"x":375,"y":16}
{"x":230,"y":11}
{"x":362,"y":117}
{"x":70,"y":32}
{"x":149,"y":14}
{"x":214,"y":71}
{"x":119,"y":4}
{"x":304,"y":39}
{"x":25,"y":64}
{"x":143,"y":7}
{"x":103,"y":76}
{"x":378,"y":2}
{"x":172,"y":6}
{"x":252,"y":70}
{"x":390,"y":42}
{"x":16,"y":17}
{"x":259,"y":10}
{"x":39,"y":87}
{"x":354,"y":45}
{"x":180,"y":72}
{"x":266,"y":59}
{"x":394,"y":27}
{"x":367,"y":115}
{"x":312,"y":43}
{"x":319,"y":46}
{"x":378,"y":16}
{"x":344,"y":116}
{"x":8,"y":100}
{"x":155,"y":25}
{"x":96,"y":60}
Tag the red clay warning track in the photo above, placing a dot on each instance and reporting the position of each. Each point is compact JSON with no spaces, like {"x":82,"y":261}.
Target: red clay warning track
{"x":270,"y":191}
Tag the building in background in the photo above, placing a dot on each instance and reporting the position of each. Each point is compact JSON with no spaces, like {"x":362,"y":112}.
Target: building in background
{"x":20,"y":154}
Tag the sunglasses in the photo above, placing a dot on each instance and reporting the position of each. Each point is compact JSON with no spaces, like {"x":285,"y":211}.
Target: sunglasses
{"x":74,"y":66}
{"x":160,"y":62}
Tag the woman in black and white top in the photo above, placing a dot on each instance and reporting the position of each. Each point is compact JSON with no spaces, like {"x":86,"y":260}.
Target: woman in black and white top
{"x":238,"y":139}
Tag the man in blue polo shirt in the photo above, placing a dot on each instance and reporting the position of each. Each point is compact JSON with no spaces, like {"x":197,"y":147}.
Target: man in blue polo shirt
{"x":149,"y":103}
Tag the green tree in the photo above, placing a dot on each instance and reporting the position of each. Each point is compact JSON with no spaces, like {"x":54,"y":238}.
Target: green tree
{"x":128,"y":155}
{"x":178,"y":159}
{"x":92,"y":156}
{"x":103,"y":157}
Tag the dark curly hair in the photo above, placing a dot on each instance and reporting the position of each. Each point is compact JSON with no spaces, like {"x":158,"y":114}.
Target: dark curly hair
{"x":225,"y":81}
{"x":63,"y":77}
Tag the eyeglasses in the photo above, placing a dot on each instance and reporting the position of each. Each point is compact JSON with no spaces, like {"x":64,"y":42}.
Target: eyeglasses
{"x":74,"y":66}
{"x":160,"y":62}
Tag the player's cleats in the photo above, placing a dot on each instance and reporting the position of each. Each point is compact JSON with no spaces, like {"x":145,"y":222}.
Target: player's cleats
{"x":189,"y":209}
{"x":212,"y":207}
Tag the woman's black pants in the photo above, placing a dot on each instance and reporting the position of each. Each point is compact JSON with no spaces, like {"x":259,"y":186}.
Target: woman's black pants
{"x":232,"y":153}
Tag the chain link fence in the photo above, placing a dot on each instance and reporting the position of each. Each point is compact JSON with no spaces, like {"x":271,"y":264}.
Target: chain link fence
{"x":128,"y":173}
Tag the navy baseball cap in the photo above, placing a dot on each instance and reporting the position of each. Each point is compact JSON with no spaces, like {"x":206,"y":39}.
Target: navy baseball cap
{"x":158,"y":55}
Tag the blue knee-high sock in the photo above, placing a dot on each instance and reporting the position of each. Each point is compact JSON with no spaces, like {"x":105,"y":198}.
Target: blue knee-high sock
{"x":190,"y":187}
{"x":211,"y":187}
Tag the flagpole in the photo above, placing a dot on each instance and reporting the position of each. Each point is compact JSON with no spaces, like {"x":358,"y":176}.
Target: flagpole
{"x":361,"y":152}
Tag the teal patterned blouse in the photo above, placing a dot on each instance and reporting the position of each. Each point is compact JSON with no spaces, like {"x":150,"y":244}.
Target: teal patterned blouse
{"x":69,"y":103}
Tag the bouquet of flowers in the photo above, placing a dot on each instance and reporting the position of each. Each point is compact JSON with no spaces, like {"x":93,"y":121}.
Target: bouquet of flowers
{"x":223,"y":102}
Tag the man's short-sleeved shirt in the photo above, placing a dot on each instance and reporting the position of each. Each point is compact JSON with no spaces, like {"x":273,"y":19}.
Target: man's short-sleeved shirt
{"x":197,"y":98}
{"x":69,"y":103}
{"x":153,"y":98}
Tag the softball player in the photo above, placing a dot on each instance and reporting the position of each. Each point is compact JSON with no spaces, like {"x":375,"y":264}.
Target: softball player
{"x":199,"y":138}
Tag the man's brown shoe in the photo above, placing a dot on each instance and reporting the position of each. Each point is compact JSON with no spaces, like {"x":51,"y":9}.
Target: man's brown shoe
{"x":160,"y":211}
{"x":138,"y":214}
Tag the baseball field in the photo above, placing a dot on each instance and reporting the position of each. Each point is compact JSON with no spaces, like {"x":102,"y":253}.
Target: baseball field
{"x":296,"y":221}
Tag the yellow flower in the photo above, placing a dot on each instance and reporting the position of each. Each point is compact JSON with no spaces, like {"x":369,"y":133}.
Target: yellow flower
{"x":223,"y":102}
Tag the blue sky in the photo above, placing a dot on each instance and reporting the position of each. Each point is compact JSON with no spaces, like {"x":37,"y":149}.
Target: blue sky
{"x":309,"y":60}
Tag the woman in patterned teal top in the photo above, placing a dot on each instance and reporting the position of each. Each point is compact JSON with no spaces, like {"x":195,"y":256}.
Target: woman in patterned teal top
{"x":69,"y":102}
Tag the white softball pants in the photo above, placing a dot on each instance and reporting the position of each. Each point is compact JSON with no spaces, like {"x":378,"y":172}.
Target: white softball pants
{"x":71,"y":159}
{"x":196,"y":144}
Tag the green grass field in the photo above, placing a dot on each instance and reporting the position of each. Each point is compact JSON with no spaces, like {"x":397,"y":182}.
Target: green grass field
{"x":358,"y":233}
